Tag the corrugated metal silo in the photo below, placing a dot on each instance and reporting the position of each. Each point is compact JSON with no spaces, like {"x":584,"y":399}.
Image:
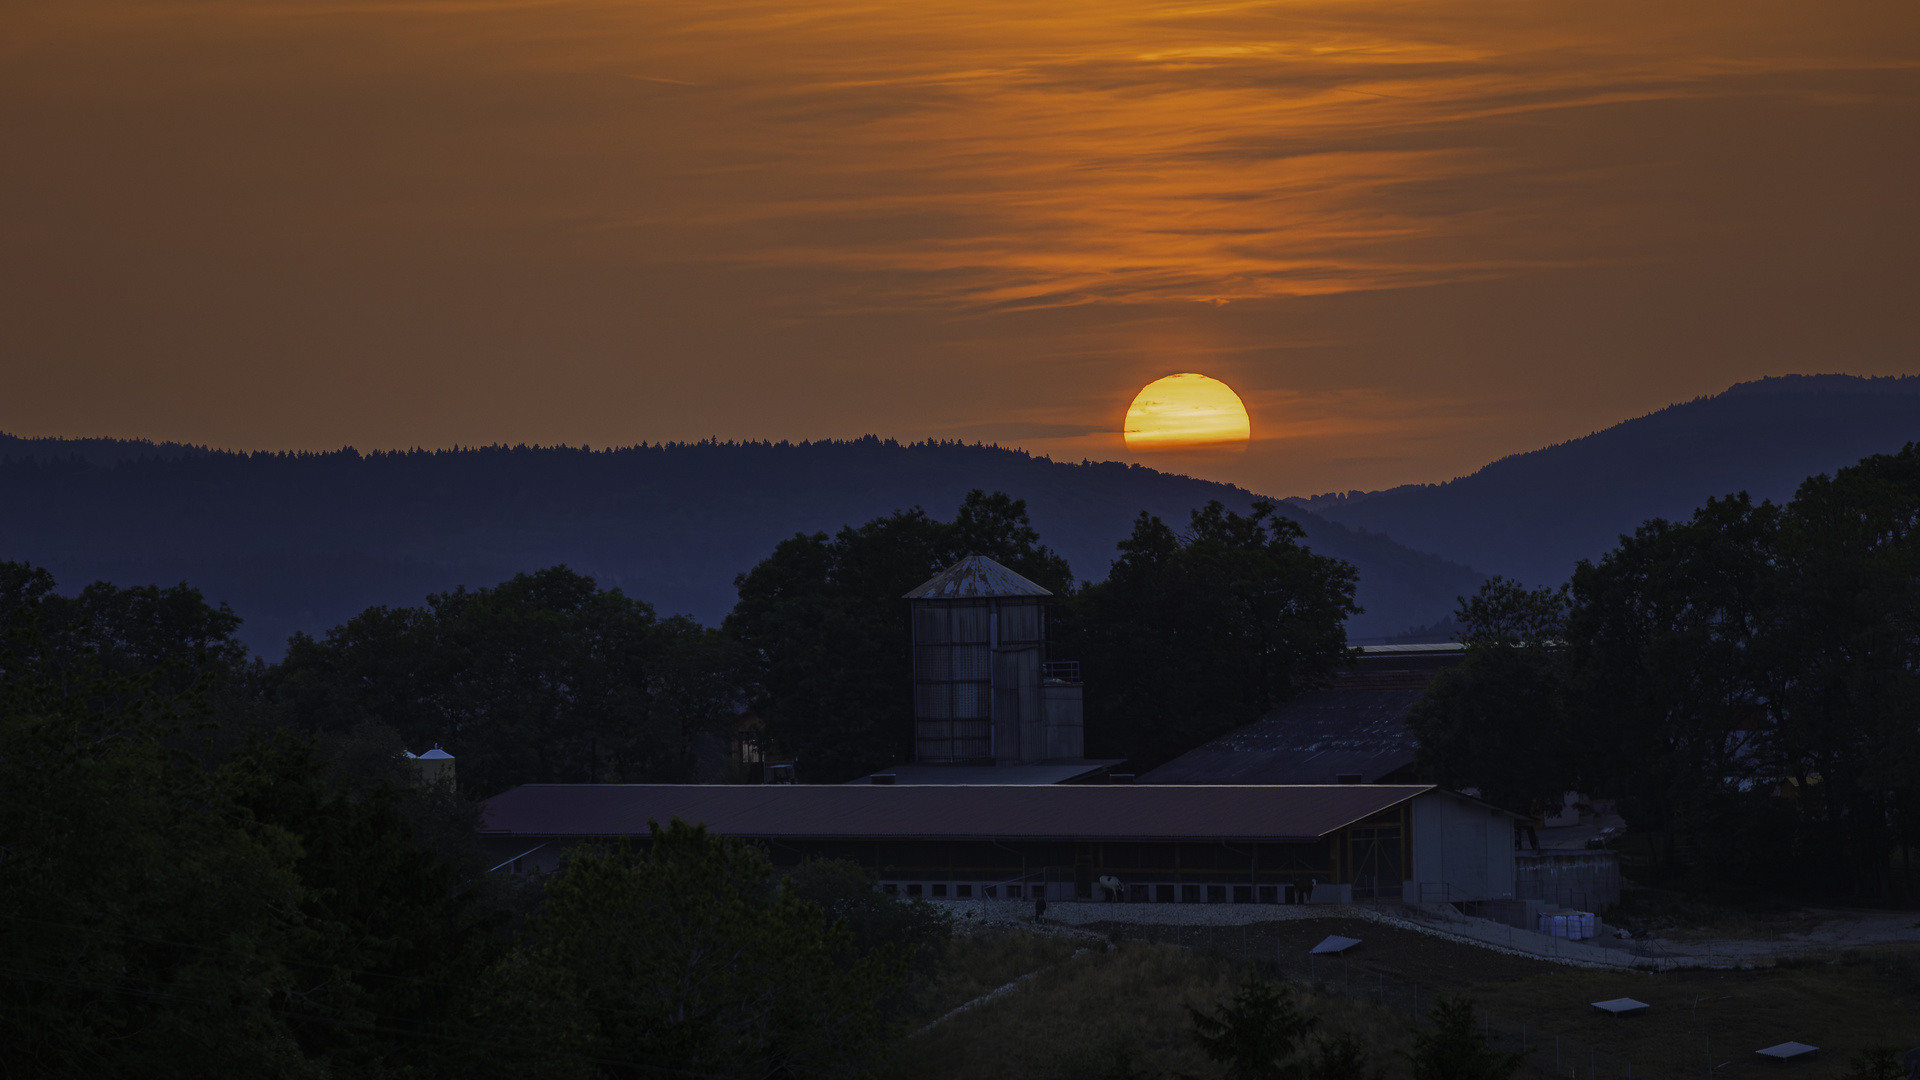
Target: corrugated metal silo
{"x":981,"y":691}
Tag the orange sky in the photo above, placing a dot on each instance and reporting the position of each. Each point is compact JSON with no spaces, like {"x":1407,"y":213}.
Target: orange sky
{"x":1413,"y":236}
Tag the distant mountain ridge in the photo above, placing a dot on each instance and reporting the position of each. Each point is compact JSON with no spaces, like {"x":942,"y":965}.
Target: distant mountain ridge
{"x":305,"y":541}
{"x":1532,"y":516}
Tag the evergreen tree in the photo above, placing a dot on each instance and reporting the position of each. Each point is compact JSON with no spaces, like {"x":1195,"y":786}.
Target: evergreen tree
{"x":1258,"y":1035}
{"x":1342,"y":1057}
{"x":1876,"y":1063}
{"x":1453,"y":1047}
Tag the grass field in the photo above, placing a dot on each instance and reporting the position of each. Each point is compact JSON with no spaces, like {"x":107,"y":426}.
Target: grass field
{"x":1070,"y":1019}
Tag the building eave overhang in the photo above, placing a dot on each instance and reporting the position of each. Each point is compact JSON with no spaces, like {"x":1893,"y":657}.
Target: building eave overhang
{"x":787,"y":838}
{"x":1234,"y":813}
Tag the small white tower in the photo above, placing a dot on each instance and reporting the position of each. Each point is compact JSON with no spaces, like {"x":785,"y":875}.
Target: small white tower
{"x":433,"y":766}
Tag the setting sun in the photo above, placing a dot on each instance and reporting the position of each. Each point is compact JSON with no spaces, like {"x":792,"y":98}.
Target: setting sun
{"x":1186,"y":411}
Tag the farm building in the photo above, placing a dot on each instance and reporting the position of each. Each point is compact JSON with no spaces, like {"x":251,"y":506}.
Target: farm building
{"x":1163,"y":843}
{"x":1353,"y":732}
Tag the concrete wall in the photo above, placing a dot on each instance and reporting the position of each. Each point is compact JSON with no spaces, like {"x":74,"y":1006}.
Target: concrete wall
{"x":1461,"y":851}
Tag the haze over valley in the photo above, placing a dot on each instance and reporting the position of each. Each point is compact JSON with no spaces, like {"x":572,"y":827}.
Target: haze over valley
{"x":301,"y":542}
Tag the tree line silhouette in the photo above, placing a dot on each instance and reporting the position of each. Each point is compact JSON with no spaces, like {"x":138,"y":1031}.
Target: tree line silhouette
{"x":1743,"y":683}
{"x":307,"y":541}
{"x":211,"y":863}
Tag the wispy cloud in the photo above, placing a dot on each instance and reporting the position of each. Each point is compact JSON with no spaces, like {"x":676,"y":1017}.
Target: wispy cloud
{"x":999,"y":155}
{"x":310,"y":222}
{"x":996,"y":154}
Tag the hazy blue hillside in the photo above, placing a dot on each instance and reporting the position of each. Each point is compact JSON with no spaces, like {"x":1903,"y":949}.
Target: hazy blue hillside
{"x":305,"y":541}
{"x":1532,"y":516}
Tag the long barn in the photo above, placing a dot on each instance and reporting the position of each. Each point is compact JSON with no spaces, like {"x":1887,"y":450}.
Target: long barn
{"x":1161,"y":843}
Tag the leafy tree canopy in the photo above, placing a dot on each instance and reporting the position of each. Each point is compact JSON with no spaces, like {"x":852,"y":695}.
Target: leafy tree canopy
{"x":1506,"y":612}
{"x":692,"y":957}
{"x":1745,"y":678}
{"x":1497,"y":722}
{"x":141,"y":917}
{"x":162,"y":918}
{"x":825,"y":635}
{"x":913,"y":930}
{"x":1192,"y":635}
{"x":274,"y":916}
{"x":171,"y":634}
{"x":546,"y":678}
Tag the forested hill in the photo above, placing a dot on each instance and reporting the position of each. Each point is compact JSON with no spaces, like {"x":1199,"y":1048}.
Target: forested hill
{"x":304,"y":541}
{"x":1532,"y":516}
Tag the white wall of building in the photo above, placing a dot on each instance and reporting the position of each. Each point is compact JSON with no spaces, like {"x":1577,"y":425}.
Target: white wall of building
{"x":1462,"y":850}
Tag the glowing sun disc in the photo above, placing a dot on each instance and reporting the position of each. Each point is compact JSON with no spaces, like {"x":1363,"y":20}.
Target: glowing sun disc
{"x":1184,"y":412}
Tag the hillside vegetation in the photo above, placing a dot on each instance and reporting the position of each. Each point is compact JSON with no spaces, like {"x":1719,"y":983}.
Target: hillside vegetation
{"x":306,"y":541}
{"x":1532,"y":516}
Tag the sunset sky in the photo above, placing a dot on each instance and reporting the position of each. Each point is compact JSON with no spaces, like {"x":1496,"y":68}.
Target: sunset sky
{"x":1412,"y":236}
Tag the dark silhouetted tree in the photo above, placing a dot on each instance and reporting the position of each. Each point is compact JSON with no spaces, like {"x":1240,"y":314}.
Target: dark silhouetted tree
{"x":1876,"y":1063}
{"x":824,"y":628}
{"x":386,"y":953}
{"x":1453,"y":1047}
{"x":1342,"y":1057}
{"x":1744,"y":679}
{"x":144,"y":920}
{"x":1259,"y":1035}
{"x":546,"y":678}
{"x":176,"y":640}
{"x":692,"y":957}
{"x":915,"y":931}
{"x":1498,"y":721}
{"x":1192,"y":635}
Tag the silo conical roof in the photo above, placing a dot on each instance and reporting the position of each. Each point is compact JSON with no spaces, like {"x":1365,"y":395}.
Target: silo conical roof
{"x":975,"y":577}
